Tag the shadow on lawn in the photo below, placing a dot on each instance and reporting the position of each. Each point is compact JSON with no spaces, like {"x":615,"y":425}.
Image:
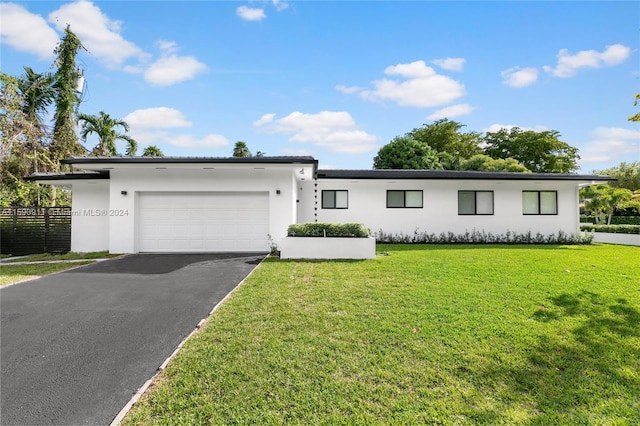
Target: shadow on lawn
{"x":587,"y":374}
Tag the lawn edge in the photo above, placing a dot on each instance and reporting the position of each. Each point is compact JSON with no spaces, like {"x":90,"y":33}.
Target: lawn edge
{"x":148,"y":384}
{"x":91,"y":261}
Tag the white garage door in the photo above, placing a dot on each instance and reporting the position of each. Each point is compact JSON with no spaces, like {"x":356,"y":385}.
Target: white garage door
{"x":203,"y":221}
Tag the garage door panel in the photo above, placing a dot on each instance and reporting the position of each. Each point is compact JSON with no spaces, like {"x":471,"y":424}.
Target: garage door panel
{"x":197,"y":222}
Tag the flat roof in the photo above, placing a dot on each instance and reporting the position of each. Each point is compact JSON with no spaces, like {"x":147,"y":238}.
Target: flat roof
{"x":452,"y":174}
{"x":100,"y":174}
{"x":192,"y":160}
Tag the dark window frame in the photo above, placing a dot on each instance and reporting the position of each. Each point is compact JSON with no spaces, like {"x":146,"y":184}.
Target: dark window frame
{"x":539,"y":192}
{"x":404,"y":198}
{"x":475,"y":203}
{"x":334,"y":191}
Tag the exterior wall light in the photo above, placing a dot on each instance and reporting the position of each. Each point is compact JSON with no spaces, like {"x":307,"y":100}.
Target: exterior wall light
{"x":123,"y":192}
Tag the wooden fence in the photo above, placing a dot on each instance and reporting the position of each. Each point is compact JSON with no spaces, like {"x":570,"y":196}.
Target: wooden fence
{"x":30,"y":230}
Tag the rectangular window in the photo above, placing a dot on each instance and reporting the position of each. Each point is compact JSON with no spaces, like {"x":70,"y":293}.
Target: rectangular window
{"x":404,"y":199}
{"x":539,"y":202}
{"x":475,"y":202}
{"x":335,"y":199}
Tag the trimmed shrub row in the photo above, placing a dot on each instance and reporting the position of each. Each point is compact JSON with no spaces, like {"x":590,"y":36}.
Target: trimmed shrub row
{"x":482,"y":237}
{"x":320,"y":229}
{"x":614,"y":229}
{"x":615,"y":220}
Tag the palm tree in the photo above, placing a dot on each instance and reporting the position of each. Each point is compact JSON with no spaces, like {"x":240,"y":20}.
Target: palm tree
{"x":241,"y":150}
{"x":105,"y":128}
{"x":152,"y":151}
{"x":38,"y":93}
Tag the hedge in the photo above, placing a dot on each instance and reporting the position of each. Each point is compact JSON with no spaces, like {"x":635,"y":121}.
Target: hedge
{"x":482,"y":237}
{"x":320,"y":229}
{"x":614,"y":229}
{"x":615,"y":220}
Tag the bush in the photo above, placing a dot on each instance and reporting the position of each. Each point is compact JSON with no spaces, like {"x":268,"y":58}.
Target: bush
{"x":614,"y":229}
{"x":319,"y":229}
{"x":615,"y":220}
{"x":482,"y":237}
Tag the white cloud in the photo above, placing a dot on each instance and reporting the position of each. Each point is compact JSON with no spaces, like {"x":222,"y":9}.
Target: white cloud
{"x":170,"y":68}
{"x":26,"y":32}
{"x":334,"y":130}
{"x":568,"y":65}
{"x":99,"y":34}
{"x":265,"y":119}
{"x":250,"y":13}
{"x":280,"y":5}
{"x":497,"y":127}
{"x":418,"y":86}
{"x":348,"y":90}
{"x":519,"y":77}
{"x":610,"y":145}
{"x":156,"y":118}
{"x":452,"y":111}
{"x":451,"y":64}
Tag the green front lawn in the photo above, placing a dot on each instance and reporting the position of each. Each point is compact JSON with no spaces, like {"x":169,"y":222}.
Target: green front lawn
{"x":66,"y":256}
{"x":420,"y":335}
{"x":13,"y":273}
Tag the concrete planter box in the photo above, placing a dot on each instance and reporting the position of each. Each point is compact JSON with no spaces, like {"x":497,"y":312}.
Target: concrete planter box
{"x":611,"y":238}
{"x":327,"y":248}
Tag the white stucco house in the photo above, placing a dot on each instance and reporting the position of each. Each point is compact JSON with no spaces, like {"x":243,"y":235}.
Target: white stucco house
{"x":185,"y":204}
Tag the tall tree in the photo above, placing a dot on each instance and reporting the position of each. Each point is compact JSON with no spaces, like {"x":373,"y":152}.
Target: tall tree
{"x":152,"y":151}
{"x":65,"y":141}
{"x":485,"y":163}
{"x":241,"y":150}
{"x":446,"y":136}
{"x":627,"y":175}
{"x":540,"y":152}
{"x":105,"y":128}
{"x":406,"y":153}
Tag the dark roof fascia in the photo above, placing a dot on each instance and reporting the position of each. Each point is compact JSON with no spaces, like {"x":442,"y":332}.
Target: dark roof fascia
{"x":192,"y":160}
{"x":453,"y":174}
{"x":102,"y":174}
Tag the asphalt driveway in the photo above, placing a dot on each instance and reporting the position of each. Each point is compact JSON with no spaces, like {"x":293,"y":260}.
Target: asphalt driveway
{"x":76,"y":346}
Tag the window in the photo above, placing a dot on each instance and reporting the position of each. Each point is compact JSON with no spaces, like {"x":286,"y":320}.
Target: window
{"x":404,"y":199}
{"x":539,"y":202}
{"x":335,"y":199}
{"x":475,"y":202}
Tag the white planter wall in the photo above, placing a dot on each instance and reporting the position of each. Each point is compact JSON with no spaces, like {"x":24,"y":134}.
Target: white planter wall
{"x":327,"y":248}
{"x":610,"y":238}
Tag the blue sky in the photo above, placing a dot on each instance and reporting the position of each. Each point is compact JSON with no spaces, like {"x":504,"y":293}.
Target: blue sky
{"x":339,"y":79}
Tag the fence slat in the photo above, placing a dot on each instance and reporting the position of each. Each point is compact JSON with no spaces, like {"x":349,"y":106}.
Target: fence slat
{"x":31,"y":230}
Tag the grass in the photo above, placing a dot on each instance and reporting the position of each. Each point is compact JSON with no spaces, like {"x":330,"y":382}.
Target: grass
{"x":65,"y":256}
{"x":13,"y":273}
{"x":534,"y":335}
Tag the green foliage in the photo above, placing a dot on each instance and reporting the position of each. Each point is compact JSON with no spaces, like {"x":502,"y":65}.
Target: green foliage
{"x":65,"y":141}
{"x":540,"y":152}
{"x":615,"y":220}
{"x":483,"y":162}
{"x":444,"y":136}
{"x":602,"y":200}
{"x":406,"y":153}
{"x":627,"y":175}
{"x":241,"y":150}
{"x":319,"y":229}
{"x":105,"y":128}
{"x":152,"y":151}
{"x":614,"y":229}
{"x":480,"y":237}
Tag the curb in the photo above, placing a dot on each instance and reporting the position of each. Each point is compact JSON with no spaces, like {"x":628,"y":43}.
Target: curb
{"x":136,"y":397}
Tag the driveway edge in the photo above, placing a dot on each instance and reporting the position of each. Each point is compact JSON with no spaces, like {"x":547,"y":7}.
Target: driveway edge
{"x":136,"y":397}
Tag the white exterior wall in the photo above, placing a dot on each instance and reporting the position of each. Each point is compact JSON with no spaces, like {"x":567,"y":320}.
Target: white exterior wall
{"x":123,"y":226}
{"x":89,"y":216}
{"x":367,"y":205}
